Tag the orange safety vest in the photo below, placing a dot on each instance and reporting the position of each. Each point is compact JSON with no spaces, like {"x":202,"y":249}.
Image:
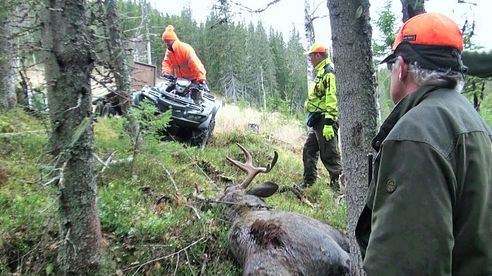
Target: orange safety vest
{"x":182,"y":62}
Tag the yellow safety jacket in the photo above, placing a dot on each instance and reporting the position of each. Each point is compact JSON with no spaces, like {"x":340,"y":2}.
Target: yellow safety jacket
{"x":322,"y":93}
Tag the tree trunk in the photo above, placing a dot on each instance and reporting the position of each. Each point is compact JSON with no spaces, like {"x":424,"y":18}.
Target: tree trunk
{"x":119,"y":65}
{"x":69,"y":62}
{"x":146,"y":23}
{"x":8,"y":98}
{"x":411,"y":8}
{"x":351,"y":36}
{"x":310,"y":37}
{"x":118,"y":57}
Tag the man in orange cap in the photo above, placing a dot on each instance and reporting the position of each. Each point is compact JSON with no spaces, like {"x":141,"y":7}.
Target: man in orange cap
{"x":321,"y":105}
{"x":180,"y":59}
{"x":429,"y":206}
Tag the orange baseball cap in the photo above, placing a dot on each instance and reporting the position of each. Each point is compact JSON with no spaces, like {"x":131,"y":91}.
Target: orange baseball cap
{"x":430,"y":29}
{"x":433,"y":40}
{"x":317,"y":48}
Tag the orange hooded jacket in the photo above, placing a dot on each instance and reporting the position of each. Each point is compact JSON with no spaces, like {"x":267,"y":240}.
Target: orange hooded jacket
{"x":183,"y":62}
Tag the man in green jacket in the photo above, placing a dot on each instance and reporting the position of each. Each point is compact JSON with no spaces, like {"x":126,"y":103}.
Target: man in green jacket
{"x":429,"y":206}
{"x":322,"y":119}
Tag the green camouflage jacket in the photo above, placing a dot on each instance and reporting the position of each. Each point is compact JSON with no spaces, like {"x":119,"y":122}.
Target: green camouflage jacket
{"x":429,"y":205}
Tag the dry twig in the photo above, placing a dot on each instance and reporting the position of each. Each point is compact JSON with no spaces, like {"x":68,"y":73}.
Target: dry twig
{"x":162,"y":258}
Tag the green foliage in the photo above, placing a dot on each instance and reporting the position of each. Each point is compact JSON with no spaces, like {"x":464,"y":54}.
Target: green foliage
{"x":383,"y":92}
{"x":386,"y":25}
{"x":24,"y":214}
{"x":154,"y":213}
{"x":124,"y":212}
{"x":28,"y":214}
{"x":151,"y":122}
{"x":230,"y":52}
{"x":486,"y":107}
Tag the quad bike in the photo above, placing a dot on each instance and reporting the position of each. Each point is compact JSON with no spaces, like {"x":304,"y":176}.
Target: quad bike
{"x":193,"y":108}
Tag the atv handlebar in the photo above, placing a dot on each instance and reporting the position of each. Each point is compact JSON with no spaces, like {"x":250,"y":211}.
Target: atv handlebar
{"x":194,"y":85}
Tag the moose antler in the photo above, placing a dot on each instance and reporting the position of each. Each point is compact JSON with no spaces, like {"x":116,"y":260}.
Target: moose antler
{"x":248,"y":167}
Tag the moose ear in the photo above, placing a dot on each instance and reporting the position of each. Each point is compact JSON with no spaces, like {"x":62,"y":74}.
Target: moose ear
{"x":265,"y":189}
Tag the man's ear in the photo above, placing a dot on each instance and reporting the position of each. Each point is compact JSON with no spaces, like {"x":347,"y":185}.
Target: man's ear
{"x":403,"y":69}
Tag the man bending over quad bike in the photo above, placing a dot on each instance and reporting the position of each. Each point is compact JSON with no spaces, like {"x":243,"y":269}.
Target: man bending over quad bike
{"x":181,"y":60}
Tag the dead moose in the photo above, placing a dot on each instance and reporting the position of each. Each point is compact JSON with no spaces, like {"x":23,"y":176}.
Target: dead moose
{"x":269,"y":242}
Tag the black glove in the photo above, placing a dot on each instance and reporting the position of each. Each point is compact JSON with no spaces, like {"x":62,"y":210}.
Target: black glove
{"x":167,"y":76}
{"x":204,"y":86}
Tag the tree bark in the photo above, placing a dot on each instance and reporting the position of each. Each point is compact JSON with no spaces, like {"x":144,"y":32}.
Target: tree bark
{"x":69,"y":62}
{"x":411,"y":8}
{"x":310,"y":37}
{"x":8,"y":98}
{"x":351,"y":36}
{"x":118,"y":57}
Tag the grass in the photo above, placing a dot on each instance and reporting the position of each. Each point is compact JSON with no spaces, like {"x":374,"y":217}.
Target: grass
{"x":157,"y":212}
{"x":152,"y":215}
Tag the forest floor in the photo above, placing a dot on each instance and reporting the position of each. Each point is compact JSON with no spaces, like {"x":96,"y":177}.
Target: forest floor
{"x":158,"y":213}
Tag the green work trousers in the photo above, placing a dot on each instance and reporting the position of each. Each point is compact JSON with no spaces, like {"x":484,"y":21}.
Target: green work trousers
{"x":316,"y":146}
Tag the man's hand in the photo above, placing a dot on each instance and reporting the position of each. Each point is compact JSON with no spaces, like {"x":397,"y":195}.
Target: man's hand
{"x":328,"y":132}
{"x":204,"y":86}
{"x":167,"y":76}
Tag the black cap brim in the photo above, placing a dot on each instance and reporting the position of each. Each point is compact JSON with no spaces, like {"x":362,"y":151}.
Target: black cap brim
{"x":441,"y":58}
{"x":388,"y":58}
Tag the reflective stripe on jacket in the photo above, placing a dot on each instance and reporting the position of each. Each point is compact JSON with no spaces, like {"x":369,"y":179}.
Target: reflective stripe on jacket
{"x":429,"y":205}
{"x":322,"y":93}
{"x":183,"y":62}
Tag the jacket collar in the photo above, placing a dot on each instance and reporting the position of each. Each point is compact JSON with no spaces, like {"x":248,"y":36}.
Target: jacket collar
{"x":407,"y":103}
{"x":322,"y":64}
{"x":175,"y":45}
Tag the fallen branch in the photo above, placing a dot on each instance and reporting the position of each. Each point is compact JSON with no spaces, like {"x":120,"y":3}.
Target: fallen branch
{"x":119,"y":161}
{"x":206,"y":200}
{"x":204,"y":265}
{"x":171,"y":178}
{"x":162,"y":258}
{"x":177,"y":264}
{"x":189,"y":262}
{"x":195,"y":210}
{"x":12,"y":134}
{"x":106,"y":163}
{"x":299,"y":193}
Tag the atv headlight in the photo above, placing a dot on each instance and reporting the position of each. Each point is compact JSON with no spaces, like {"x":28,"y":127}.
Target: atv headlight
{"x":194,"y":117}
{"x":182,"y":85}
{"x":180,"y":89}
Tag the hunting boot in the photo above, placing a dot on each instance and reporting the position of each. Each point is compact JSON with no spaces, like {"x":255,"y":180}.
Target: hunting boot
{"x":335,"y":182}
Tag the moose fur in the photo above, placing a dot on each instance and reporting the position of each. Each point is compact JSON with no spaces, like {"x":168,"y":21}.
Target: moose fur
{"x":269,"y":242}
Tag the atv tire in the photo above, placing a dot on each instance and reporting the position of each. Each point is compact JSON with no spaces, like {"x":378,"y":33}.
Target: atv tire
{"x":99,"y":108}
{"x":106,"y":110}
{"x":200,"y":138}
